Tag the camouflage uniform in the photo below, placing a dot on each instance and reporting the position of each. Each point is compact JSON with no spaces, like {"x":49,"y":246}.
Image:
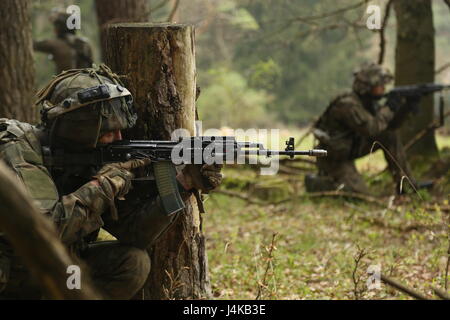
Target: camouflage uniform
{"x":78,"y":207}
{"x":348,"y":129}
{"x":68,"y":50}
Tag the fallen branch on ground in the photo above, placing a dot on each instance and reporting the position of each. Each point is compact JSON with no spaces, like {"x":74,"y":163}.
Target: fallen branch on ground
{"x":306,"y":195}
{"x":337,"y":194}
{"x":239,"y":195}
{"x":380,"y":222}
{"x":404,"y":229}
{"x":293,"y":170}
{"x":287,"y":161}
{"x":407,"y":290}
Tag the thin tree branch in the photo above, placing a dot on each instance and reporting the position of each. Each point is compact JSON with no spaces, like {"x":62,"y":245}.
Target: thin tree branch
{"x":307,"y":133}
{"x":310,"y":20}
{"x":448,"y":3}
{"x":173,"y":11}
{"x":381,"y":32}
{"x":432,"y":126}
{"x":328,"y":14}
{"x":307,"y":195}
{"x":442,"y":68}
{"x":262,"y":285}
{"x":361,"y":253}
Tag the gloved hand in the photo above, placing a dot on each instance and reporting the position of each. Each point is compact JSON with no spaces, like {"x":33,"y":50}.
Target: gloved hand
{"x":211,"y":175}
{"x":81,"y":211}
{"x":115,"y":178}
{"x":204,"y":178}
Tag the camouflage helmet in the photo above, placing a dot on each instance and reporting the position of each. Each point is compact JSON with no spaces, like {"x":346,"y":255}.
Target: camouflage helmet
{"x":369,"y":76}
{"x":80,"y":105}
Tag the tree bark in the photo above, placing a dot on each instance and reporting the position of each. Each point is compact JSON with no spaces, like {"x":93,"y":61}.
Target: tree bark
{"x":116,"y":11}
{"x":415,"y":63}
{"x":159,"y":64}
{"x":36,"y":240}
{"x":16,"y":61}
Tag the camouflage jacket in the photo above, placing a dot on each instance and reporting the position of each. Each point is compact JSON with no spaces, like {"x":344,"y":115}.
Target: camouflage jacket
{"x":80,"y":214}
{"x":347,"y":121}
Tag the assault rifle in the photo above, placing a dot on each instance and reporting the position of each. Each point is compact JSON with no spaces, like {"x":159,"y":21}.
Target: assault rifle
{"x":412,"y":93}
{"x":405,"y":99}
{"x":192,"y":151}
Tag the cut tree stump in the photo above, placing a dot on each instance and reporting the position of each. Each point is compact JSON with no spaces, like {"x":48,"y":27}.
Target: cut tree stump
{"x":158,"y":61}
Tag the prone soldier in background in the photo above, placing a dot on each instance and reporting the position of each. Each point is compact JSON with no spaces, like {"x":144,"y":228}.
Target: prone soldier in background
{"x":348,"y":129}
{"x":67,"y":50}
{"x":80,"y":200}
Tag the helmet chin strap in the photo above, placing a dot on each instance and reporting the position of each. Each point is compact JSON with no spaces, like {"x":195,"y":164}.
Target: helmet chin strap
{"x":99,"y":125}
{"x":51,"y":134}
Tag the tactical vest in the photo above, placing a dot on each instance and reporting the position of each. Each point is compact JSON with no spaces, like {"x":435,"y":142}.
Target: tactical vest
{"x":21,"y":150}
{"x":321,"y":126}
{"x":339,"y":141}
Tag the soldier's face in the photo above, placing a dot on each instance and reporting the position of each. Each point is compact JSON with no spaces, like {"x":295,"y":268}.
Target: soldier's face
{"x":377,"y":91}
{"x":110,"y":137}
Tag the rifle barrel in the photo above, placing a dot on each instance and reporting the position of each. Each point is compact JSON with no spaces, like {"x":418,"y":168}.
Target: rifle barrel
{"x":290,"y":153}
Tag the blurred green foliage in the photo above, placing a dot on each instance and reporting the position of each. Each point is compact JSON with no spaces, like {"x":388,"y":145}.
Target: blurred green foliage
{"x":312,"y":62}
{"x":229,"y":99}
{"x":260,"y":61}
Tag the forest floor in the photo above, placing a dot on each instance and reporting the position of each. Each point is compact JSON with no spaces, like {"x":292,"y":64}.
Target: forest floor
{"x":278,"y":243}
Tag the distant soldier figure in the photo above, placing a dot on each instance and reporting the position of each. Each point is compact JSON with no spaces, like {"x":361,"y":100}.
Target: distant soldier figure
{"x":68,"y":50}
{"x":348,"y":129}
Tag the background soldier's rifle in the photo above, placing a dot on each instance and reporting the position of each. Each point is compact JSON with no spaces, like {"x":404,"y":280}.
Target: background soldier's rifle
{"x":406,"y":99}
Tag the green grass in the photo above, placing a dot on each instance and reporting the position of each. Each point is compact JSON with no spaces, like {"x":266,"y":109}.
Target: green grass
{"x":316,"y":241}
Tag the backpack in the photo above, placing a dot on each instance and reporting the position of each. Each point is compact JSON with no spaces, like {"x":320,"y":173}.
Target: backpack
{"x":20,"y":149}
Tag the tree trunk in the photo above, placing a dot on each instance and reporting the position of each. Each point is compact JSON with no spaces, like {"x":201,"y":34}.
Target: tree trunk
{"x":116,"y":11}
{"x":16,"y":62}
{"x":415,"y":63}
{"x":159,"y":62}
{"x":36,"y":240}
